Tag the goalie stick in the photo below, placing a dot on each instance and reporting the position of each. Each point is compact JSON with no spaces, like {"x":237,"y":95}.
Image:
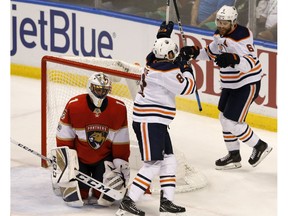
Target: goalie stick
{"x":93,"y":183}
{"x":184,"y":44}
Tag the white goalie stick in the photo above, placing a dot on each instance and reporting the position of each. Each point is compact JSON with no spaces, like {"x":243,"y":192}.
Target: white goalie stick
{"x":184,"y":44}
{"x":91,"y":182}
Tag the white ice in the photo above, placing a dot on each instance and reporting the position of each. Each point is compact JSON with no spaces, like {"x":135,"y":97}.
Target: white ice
{"x":243,"y":192}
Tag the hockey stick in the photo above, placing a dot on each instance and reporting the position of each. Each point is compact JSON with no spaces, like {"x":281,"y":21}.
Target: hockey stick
{"x":167,"y":11}
{"x":184,"y":44}
{"x":93,"y":183}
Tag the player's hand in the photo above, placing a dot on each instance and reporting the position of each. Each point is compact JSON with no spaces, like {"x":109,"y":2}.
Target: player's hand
{"x":183,"y":64}
{"x":165,"y":30}
{"x":227,"y":59}
{"x":188,"y":52}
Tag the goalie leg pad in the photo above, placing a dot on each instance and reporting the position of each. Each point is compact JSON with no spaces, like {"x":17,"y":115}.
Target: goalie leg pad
{"x":65,"y":161}
{"x":71,"y":194}
{"x":56,"y":189}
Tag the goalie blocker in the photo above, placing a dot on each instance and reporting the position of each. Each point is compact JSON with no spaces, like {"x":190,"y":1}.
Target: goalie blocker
{"x":65,"y":175}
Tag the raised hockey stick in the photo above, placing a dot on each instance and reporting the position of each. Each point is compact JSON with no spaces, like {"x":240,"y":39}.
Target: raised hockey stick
{"x":167,"y":11}
{"x":184,"y":44}
{"x":93,"y":183}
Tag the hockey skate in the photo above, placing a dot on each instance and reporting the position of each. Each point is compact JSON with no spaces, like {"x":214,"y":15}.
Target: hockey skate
{"x":128,"y":207}
{"x":230,"y":161}
{"x":169,"y":208}
{"x":260,"y":151}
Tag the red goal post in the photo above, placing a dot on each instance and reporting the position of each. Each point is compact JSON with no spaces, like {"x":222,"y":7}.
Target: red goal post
{"x":66,"y":76}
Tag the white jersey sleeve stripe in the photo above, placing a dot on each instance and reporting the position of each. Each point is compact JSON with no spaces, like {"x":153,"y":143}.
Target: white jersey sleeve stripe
{"x":189,"y":88}
{"x":66,"y":131}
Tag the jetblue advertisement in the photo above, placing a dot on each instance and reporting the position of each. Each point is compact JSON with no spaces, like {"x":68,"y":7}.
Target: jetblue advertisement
{"x":41,"y":28}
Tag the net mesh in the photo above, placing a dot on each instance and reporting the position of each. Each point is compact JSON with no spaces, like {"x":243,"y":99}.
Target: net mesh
{"x":68,"y":79}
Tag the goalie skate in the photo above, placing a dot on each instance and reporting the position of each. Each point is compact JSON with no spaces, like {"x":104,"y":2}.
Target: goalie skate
{"x":230,"y":161}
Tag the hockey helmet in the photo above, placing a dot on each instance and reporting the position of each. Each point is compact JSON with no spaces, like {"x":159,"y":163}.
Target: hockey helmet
{"x":98,"y":86}
{"x":165,"y":48}
{"x":227,"y":13}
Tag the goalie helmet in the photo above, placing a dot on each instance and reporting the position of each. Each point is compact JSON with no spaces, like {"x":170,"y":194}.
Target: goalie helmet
{"x":165,"y":48}
{"x":98,"y":87}
{"x":227,"y":13}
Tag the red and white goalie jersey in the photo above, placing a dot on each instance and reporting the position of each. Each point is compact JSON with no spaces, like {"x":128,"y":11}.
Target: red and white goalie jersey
{"x":239,"y":41}
{"x":93,"y":134}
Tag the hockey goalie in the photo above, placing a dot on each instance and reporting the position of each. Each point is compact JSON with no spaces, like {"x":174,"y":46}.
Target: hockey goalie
{"x":94,"y":139}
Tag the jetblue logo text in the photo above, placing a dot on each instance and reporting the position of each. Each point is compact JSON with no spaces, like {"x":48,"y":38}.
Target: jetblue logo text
{"x":59,"y":31}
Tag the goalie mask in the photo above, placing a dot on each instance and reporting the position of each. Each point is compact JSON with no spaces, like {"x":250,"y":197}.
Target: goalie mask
{"x":165,"y":48}
{"x":98,"y":87}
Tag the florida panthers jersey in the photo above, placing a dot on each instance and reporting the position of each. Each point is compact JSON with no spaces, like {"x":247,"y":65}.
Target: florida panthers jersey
{"x":94,"y":134}
{"x":240,"y":41}
{"x":161,"y":81}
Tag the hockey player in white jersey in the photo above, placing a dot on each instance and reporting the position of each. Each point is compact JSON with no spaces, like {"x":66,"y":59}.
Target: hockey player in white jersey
{"x":233,"y":51}
{"x":163,"y":78}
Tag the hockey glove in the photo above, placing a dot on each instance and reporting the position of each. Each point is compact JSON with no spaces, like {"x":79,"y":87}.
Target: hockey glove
{"x":183,"y":65}
{"x":188,"y":52}
{"x":227,"y":59}
{"x":165,"y":30}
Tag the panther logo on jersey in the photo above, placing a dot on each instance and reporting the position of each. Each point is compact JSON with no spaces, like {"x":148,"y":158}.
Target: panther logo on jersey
{"x":96,"y":135}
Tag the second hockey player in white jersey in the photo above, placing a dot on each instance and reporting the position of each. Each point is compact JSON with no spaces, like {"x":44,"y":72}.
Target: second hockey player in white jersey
{"x":163,"y":78}
{"x":233,"y":51}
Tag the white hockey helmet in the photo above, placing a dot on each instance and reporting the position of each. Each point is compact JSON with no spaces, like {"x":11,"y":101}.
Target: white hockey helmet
{"x":98,"y":86}
{"x":227,"y":13}
{"x":165,"y":48}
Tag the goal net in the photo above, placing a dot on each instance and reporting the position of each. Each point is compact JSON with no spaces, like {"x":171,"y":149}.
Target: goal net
{"x":66,"y":76}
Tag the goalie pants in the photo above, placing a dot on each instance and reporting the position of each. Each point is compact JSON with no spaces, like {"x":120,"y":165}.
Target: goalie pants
{"x":96,"y":171}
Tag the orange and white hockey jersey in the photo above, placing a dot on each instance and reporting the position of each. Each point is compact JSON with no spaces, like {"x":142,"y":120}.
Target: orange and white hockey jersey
{"x":92,"y":134}
{"x":239,"y":41}
{"x":161,"y":81}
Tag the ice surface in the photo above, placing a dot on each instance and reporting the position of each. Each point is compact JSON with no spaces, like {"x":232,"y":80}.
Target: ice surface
{"x":244,"y":192}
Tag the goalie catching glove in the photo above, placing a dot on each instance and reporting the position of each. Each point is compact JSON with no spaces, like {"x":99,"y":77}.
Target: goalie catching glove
{"x":227,"y":59}
{"x":165,"y":30}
